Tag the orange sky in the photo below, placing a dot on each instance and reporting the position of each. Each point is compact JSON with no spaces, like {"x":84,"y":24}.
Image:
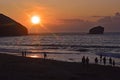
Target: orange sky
{"x":52,"y":11}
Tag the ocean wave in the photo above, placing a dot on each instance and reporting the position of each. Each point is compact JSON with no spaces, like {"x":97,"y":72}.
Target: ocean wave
{"x":83,"y":46}
{"x":115,"y":55}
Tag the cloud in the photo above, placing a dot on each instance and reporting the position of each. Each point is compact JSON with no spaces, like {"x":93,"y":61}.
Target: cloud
{"x":97,"y":16}
{"x":71,"y":20}
{"x":71,"y":25}
{"x":111,"y":23}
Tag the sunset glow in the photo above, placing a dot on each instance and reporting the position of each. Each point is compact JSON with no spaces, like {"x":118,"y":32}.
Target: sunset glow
{"x":58,"y":16}
{"x":59,"y":39}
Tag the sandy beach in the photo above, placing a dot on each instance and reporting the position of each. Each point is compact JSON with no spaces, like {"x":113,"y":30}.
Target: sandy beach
{"x":59,"y":39}
{"x":22,"y":68}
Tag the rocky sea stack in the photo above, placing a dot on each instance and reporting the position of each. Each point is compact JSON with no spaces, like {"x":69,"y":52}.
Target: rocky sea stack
{"x":97,"y":30}
{"x":9,"y":27}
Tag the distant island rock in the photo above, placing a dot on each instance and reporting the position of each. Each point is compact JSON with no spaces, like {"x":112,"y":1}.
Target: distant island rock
{"x":97,"y":30}
{"x":9,"y":27}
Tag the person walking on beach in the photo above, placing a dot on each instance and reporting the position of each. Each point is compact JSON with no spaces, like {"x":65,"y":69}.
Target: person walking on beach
{"x":25,"y":53}
{"x":96,"y":60}
{"x":104,"y":60}
{"x":87,"y":60}
{"x":45,"y":55}
{"x":113,"y":63}
{"x":22,"y":54}
{"x":110,"y":61}
{"x":100,"y":58}
{"x":83,"y":60}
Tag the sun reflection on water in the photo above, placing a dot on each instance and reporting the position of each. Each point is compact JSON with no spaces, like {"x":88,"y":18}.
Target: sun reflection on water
{"x":35,"y":56}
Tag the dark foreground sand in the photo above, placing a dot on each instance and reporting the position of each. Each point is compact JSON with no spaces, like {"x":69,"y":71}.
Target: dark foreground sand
{"x":20,"y":68}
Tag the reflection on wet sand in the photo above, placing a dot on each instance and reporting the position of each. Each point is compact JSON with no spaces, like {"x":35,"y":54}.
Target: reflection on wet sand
{"x":34,"y":55}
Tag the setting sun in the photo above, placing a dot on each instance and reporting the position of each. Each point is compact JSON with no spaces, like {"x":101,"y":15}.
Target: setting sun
{"x":35,"y":20}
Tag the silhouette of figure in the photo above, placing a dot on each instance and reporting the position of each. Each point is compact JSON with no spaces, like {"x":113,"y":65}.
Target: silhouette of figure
{"x":101,"y":58}
{"x":110,"y":61}
{"x":83,"y":60}
{"x":22,"y":54}
{"x":45,"y":55}
{"x":104,"y":60}
{"x":87,"y":60}
{"x":113,"y":63}
{"x":96,"y":60}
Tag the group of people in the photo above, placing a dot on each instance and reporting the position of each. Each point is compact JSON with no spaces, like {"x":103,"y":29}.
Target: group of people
{"x":24,"y":53}
{"x":102,"y":60}
{"x":85,"y":60}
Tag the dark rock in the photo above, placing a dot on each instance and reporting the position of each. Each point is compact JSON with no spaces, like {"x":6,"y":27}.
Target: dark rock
{"x":9,"y":27}
{"x":97,"y":30}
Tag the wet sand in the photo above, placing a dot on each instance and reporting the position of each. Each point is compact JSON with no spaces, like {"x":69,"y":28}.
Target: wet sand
{"x":22,"y":68}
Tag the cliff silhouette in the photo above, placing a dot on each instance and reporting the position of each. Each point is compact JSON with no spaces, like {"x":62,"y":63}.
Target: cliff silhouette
{"x":96,"y":30}
{"x":9,"y":27}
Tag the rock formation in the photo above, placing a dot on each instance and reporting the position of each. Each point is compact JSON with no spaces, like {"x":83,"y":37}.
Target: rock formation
{"x":9,"y":27}
{"x":97,"y":30}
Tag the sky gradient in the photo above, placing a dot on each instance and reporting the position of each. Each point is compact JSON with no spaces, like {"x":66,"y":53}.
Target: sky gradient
{"x":64,"y":15}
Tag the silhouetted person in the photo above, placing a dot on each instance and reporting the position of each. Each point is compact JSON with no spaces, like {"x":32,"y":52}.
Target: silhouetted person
{"x":113,"y":63}
{"x":104,"y":60}
{"x":87,"y":60}
{"x":110,"y":61}
{"x":25,"y":53}
{"x":101,"y":58}
{"x":96,"y":60}
{"x":22,"y":53}
{"x":45,"y":55}
{"x":83,"y":60}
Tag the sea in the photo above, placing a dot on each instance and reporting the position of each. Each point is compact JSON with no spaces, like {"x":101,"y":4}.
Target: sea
{"x":70,"y":47}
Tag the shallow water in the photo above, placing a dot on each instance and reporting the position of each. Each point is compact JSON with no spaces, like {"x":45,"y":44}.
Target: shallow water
{"x":66,"y":47}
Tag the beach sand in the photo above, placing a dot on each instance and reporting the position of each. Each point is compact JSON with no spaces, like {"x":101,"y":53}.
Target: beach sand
{"x":22,"y":68}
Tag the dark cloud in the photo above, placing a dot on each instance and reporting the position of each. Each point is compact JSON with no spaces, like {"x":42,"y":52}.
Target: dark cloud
{"x":105,"y":20}
{"x":117,"y":14}
{"x":111,"y":23}
{"x":97,"y":16}
{"x":71,"y":25}
{"x":71,"y":20}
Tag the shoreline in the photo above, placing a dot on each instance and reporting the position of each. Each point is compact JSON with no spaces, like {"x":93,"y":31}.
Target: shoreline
{"x":25,"y":68}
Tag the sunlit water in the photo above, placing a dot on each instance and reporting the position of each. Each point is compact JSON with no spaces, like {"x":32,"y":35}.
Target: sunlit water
{"x":65,"y":47}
